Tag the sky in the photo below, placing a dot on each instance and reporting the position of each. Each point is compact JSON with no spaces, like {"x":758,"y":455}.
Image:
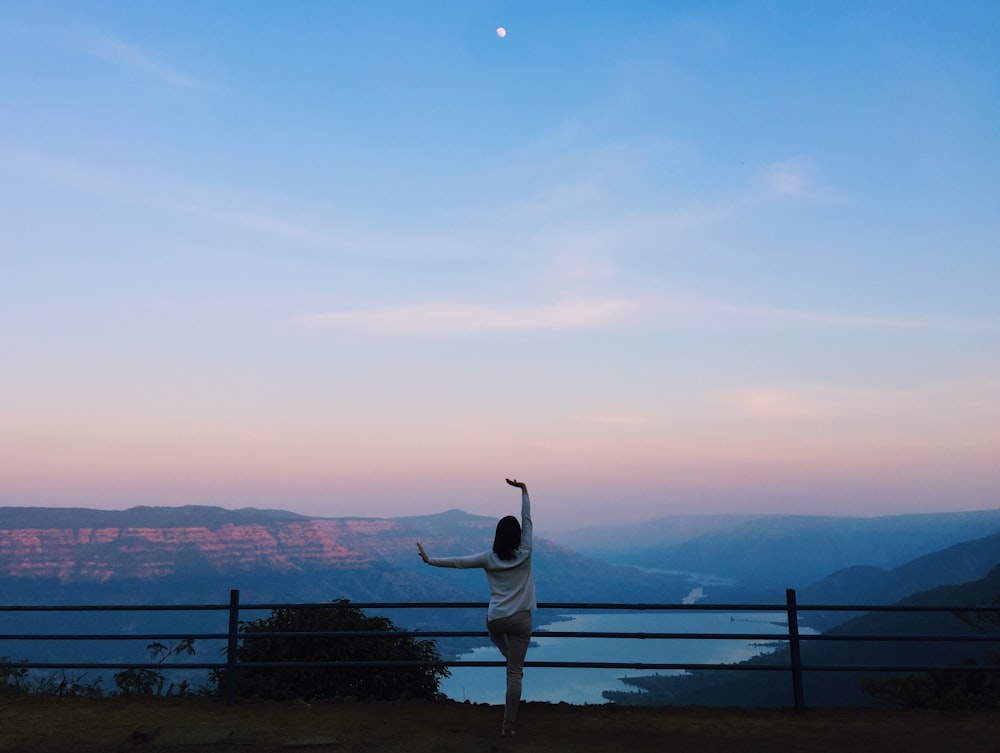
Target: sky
{"x":370,"y":259}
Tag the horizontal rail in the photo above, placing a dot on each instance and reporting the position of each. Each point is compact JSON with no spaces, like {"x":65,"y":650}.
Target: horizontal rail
{"x":769,"y":637}
{"x":786,"y":615}
{"x":384,"y":605}
{"x":543,"y":664}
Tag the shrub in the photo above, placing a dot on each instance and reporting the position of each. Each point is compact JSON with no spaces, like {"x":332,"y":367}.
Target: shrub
{"x":13,"y":677}
{"x":145,"y":681}
{"x":951,"y":690}
{"x":62,"y":683}
{"x":316,"y":683}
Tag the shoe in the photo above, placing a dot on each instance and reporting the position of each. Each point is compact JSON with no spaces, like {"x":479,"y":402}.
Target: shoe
{"x":508,"y":733}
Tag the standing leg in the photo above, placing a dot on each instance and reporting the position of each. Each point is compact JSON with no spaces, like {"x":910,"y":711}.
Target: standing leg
{"x":516,"y":631}
{"x":499,"y":638}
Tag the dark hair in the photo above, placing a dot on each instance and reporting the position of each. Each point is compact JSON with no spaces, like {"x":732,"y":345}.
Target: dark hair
{"x":508,"y":537}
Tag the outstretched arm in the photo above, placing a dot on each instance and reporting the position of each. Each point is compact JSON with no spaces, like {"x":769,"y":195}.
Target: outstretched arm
{"x":469,"y":561}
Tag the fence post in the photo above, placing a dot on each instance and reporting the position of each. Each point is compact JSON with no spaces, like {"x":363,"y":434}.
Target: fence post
{"x":794,"y":649}
{"x":231,"y":647}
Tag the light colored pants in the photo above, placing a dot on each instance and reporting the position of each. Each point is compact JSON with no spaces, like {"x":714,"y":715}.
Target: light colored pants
{"x":511,"y":635}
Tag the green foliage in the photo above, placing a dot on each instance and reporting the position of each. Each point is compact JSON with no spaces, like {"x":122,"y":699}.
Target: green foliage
{"x":145,"y":681}
{"x":314,"y":683}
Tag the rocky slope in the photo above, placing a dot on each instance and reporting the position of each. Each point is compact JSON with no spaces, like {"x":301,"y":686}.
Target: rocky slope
{"x":274,"y":554}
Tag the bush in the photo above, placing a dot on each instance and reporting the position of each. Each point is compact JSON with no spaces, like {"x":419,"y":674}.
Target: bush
{"x":62,"y":683}
{"x":143,"y":681}
{"x":945,"y":691}
{"x":950,"y":690}
{"x":318,"y":683}
{"x":13,"y":677}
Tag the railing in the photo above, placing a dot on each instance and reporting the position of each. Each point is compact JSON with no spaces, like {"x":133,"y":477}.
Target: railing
{"x":232,"y":636}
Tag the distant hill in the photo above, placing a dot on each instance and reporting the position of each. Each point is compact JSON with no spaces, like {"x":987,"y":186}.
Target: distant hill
{"x":204,"y":551}
{"x":195,"y":555}
{"x":192,"y":552}
{"x":825,"y":688}
{"x":960,"y":563}
{"x":142,"y":516}
{"x":771,"y":553}
{"x":605,"y":541}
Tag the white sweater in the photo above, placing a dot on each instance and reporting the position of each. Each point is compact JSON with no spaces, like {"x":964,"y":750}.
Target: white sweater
{"x":512,"y":589}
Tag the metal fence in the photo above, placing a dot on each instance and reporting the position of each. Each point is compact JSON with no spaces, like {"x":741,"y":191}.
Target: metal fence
{"x":790,"y":610}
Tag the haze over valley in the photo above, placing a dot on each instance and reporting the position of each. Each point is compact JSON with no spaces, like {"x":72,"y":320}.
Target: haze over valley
{"x":190,"y":555}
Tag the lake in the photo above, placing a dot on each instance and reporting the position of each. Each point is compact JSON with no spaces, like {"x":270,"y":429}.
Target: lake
{"x":584,"y":686}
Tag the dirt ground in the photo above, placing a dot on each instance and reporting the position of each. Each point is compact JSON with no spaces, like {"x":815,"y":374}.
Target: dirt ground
{"x":33,"y":724}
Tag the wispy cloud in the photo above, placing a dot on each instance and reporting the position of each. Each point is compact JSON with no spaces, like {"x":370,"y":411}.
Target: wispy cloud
{"x":58,"y":172}
{"x":970,"y":407}
{"x":846,"y":320}
{"x":619,"y":418}
{"x":431,"y":319}
{"x":117,"y":52}
{"x":788,"y":178}
{"x":575,"y":262}
{"x":434,"y":319}
{"x":232,"y":208}
{"x":773,"y":403}
{"x":792,"y":178}
{"x":162,"y":195}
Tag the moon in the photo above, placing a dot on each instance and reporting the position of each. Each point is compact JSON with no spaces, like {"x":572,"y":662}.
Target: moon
{"x":501,"y":32}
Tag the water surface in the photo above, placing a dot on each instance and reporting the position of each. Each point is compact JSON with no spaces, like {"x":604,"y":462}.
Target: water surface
{"x":583,"y":686}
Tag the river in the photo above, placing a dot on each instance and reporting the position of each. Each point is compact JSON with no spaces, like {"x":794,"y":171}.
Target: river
{"x":585,"y":686}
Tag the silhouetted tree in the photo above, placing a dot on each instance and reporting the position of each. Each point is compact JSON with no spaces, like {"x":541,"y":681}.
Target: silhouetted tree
{"x":950,"y":690}
{"x":315,"y":683}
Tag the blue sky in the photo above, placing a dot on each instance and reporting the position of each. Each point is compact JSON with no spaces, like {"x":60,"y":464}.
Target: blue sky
{"x":370,"y":258}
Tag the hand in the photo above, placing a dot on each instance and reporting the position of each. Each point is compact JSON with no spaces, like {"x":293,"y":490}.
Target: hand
{"x":519,"y":484}
{"x":423,"y":554}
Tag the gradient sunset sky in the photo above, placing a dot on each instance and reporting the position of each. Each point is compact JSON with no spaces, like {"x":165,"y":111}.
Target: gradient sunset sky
{"x":369,"y":258}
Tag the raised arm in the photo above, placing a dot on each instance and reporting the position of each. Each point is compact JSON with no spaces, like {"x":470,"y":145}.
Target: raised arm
{"x":519,"y":484}
{"x":526,"y":525}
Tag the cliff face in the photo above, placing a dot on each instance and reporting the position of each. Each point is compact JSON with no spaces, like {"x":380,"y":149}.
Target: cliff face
{"x":97,"y":554}
{"x":193,"y":554}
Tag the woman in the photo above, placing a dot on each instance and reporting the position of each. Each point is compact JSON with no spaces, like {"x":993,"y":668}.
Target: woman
{"x":512,"y":595}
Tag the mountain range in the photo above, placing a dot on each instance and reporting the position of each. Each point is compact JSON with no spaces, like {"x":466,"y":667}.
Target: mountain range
{"x":195,"y":555}
{"x":202,"y":552}
{"x":59,"y":556}
{"x":825,"y":688}
{"x":760,"y":556}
